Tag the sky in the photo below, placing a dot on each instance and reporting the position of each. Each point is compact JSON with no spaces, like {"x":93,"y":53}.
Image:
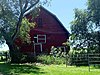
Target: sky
{"x":64,"y":10}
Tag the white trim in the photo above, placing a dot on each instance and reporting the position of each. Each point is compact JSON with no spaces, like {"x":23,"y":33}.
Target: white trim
{"x":37,"y":38}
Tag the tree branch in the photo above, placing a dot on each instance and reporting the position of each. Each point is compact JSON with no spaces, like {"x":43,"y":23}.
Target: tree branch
{"x":17,"y":27}
{"x":21,"y":17}
{"x":26,"y":4}
{"x":32,"y":6}
{"x":20,"y":4}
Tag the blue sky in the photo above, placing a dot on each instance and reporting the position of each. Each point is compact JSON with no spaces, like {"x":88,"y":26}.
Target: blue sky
{"x":63,"y":9}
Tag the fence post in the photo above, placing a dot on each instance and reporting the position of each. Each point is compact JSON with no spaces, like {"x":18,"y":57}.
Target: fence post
{"x":88,"y":61}
{"x":66,"y":56}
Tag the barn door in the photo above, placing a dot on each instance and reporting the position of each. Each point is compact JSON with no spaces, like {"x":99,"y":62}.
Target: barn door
{"x":38,"y":48}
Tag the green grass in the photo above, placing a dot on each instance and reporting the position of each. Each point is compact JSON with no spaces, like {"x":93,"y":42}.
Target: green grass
{"x":31,"y":69}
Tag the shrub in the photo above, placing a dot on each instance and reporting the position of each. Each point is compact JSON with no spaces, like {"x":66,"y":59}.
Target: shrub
{"x":23,"y":57}
{"x":48,"y":59}
{"x":57,"y":56}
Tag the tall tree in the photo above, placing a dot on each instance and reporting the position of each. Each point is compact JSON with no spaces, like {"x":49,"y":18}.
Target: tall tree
{"x":85,"y":27}
{"x":79,"y":28}
{"x":11,"y":17}
{"x":94,"y":15}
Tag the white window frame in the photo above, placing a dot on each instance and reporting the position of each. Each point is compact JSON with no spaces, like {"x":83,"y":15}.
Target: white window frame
{"x":37,"y":37}
{"x":38,"y":44}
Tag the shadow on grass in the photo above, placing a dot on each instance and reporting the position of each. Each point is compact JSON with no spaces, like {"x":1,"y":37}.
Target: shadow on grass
{"x":96,"y":66}
{"x":15,"y":69}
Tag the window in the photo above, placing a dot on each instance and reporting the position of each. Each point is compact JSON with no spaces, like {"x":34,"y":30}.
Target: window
{"x":40,"y":38}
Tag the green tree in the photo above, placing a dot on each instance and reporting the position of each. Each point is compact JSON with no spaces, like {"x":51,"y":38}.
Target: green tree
{"x":79,"y":29}
{"x":94,"y":15}
{"x":12,"y":21}
{"x":85,"y":27}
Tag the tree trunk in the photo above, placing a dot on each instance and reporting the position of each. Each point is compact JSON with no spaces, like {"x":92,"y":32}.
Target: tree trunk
{"x":14,"y":53}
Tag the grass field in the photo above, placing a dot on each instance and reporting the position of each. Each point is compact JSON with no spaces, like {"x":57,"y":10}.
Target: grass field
{"x":31,"y":69}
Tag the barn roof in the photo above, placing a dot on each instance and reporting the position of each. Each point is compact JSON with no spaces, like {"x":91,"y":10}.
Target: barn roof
{"x":54,"y":16}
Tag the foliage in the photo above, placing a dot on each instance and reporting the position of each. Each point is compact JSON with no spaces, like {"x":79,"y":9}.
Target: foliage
{"x":85,"y":28}
{"x":45,"y":59}
{"x":57,"y":52}
{"x":49,"y":59}
{"x":94,"y":11}
{"x":79,"y":29}
{"x":24,"y":57}
{"x":25,"y":29}
{"x":57,"y":55}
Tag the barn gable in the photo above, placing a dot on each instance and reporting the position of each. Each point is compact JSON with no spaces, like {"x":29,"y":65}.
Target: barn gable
{"x":56,"y":19}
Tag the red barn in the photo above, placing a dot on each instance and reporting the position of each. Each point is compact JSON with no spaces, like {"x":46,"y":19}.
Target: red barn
{"x":48,"y":32}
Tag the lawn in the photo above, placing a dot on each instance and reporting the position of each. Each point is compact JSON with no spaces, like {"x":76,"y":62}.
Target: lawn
{"x":31,"y":69}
